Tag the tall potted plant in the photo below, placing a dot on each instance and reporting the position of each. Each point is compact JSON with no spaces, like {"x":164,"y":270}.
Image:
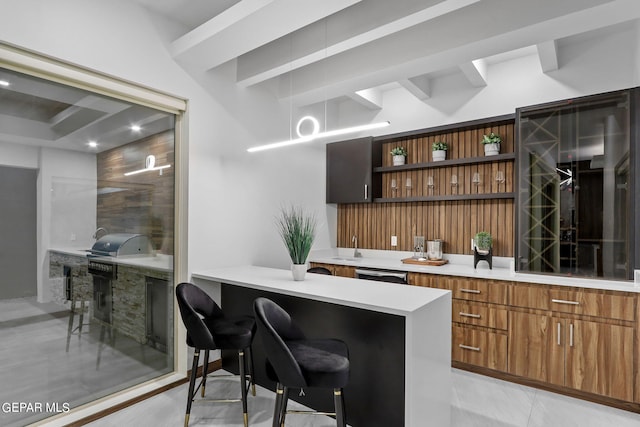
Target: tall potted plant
{"x":491,"y":144}
{"x":399,"y":155}
{"x":297,"y":229}
{"x":439,"y":150}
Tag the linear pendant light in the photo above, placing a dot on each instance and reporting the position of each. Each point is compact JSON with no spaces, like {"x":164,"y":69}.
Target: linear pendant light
{"x":150,"y":165}
{"x":316,"y":135}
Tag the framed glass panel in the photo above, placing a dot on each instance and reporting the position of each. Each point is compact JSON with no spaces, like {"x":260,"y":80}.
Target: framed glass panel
{"x":573,"y":199}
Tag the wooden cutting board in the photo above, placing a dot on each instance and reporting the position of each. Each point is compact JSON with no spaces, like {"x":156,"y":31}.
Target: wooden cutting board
{"x":425,"y":262}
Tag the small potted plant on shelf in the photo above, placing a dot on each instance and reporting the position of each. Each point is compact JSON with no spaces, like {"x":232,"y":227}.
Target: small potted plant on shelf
{"x":483,"y":242}
{"x":491,"y":144}
{"x":439,"y":151}
{"x":297,"y":229}
{"x":399,"y":155}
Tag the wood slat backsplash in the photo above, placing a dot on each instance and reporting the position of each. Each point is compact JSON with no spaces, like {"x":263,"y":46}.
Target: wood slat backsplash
{"x":454,"y":222}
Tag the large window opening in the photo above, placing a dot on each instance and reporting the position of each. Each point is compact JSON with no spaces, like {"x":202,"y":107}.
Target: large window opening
{"x":102,"y":319}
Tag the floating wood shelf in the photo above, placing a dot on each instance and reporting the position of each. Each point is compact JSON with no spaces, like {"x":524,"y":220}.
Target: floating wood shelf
{"x":445,"y":163}
{"x":446,"y":197}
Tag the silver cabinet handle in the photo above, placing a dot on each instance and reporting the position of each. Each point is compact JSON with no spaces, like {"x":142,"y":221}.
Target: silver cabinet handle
{"x":475,"y":316}
{"x":468,"y":347}
{"x":562,"y":301}
{"x":366,"y":192}
{"x":558,"y":333}
{"x":470,"y":291}
{"x":571,"y":335}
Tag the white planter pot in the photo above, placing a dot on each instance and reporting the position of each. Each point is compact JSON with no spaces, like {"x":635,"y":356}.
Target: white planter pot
{"x":299,"y":271}
{"x":398,"y":160}
{"x":439,"y":155}
{"x":491,"y":149}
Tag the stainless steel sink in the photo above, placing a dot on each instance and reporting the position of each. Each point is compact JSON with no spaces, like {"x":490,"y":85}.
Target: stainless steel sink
{"x":346,"y":258}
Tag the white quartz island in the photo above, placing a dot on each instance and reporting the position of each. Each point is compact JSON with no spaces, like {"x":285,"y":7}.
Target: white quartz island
{"x":399,"y":336}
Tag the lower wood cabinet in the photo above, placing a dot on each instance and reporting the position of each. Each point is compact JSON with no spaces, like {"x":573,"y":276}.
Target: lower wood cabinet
{"x":589,"y":356}
{"x":337,"y":270}
{"x":578,"y":340}
{"x":479,"y":347}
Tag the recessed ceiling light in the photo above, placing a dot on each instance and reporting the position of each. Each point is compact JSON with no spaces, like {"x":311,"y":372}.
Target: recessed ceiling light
{"x":136,"y":128}
{"x":4,"y":83}
{"x":92,"y":144}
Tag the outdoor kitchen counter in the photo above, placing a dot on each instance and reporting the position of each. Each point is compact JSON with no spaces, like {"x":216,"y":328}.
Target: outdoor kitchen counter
{"x":399,"y":337}
{"x":159,"y":262}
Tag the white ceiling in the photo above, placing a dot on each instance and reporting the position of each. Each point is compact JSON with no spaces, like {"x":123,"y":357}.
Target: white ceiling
{"x":338,"y":48}
{"x":310,"y":51}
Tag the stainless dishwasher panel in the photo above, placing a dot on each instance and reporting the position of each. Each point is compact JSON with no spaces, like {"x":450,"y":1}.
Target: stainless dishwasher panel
{"x":382,"y":275}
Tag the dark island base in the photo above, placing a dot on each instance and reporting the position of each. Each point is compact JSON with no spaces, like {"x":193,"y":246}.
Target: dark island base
{"x":375,"y":395}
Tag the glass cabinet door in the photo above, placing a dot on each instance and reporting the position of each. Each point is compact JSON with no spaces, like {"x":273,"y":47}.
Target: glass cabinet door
{"x":573,"y":173}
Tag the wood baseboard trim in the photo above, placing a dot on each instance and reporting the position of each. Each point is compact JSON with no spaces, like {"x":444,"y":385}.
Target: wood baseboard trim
{"x":603,"y":400}
{"x":213,"y":366}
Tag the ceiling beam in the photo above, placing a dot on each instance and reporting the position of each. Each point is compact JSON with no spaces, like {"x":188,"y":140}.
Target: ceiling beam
{"x":306,"y":45}
{"x":246,"y":26}
{"x":476,"y":72}
{"x":419,"y":86}
{"x":369,"y":98}
{"x":548,"y":55}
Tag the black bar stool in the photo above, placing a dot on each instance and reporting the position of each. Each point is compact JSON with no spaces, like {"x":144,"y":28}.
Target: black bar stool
{"x":299,"y":362}
{"x":208,"y":329}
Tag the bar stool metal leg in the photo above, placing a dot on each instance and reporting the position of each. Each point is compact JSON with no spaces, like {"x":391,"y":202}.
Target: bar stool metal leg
{"x":277,"y":409}
{"x":192,"y":385}
{"x":338,"y":399}
{"x":205,"y":369}
{"x":243,"y":387}
{"x":249,"y":358}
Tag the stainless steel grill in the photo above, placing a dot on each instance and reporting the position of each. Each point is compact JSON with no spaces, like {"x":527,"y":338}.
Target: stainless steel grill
{"x":121,"y":244}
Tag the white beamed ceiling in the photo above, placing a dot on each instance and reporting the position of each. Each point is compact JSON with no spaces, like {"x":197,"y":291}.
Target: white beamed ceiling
{"x":313,"y":51}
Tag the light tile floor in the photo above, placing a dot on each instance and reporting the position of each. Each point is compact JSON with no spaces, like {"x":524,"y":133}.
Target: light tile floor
{"x":477,"y":401}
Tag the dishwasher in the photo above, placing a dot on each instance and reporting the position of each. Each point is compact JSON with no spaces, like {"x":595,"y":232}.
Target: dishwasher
{"x":382,"y":275}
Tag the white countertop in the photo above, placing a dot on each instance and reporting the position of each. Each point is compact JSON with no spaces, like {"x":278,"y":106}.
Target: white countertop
{"x":462,"y":265}
{"x":370,"y":295}
{"x":160,"y":262}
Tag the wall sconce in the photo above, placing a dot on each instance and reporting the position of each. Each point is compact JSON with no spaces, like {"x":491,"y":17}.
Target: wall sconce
{"x":476,"y":178}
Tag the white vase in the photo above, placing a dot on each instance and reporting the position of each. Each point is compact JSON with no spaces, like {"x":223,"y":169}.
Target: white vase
{"x":398,"y":160}
{"x":299,"y":271}
{"x":491,"y":149}
{"x":439,"y":155}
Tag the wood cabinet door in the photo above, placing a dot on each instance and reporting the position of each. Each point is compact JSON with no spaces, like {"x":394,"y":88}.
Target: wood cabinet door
{"x":344,"y":271}
{"x":536,"y":350}
{"x":349,"y":171}
{"x":599,"y":358}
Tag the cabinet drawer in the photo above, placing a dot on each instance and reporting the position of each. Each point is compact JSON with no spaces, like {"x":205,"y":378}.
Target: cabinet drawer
{"x":479,"y":315}
{"x":480,"y":290}
{"x":591,"y":303}
{"x":480,"y":348}
{"x":604,"y":304}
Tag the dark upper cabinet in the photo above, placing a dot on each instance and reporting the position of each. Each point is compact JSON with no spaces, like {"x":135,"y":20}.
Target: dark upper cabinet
{"x":349,"y":171}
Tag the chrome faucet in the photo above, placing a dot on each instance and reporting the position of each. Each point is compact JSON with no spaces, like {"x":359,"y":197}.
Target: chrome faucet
{"x":100,"y":230}
{"x":356,"y":254}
